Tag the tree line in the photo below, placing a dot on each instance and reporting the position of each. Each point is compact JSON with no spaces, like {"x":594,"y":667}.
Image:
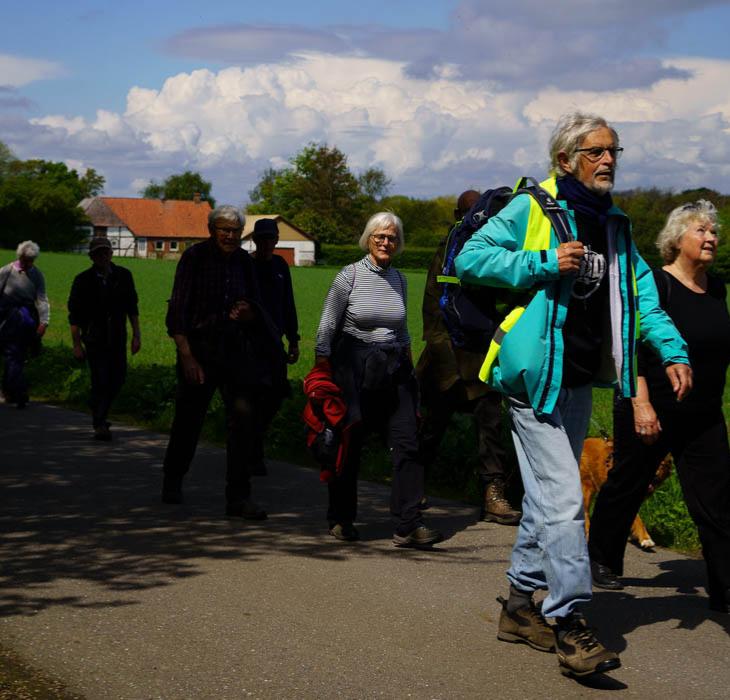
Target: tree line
{"x":317,"y":191}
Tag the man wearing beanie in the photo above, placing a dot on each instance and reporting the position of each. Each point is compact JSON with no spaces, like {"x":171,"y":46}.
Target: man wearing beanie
{"x":102,"y":298}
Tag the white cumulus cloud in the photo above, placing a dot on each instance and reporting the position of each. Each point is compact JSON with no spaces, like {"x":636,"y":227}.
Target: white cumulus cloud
{"x":432,"y":135}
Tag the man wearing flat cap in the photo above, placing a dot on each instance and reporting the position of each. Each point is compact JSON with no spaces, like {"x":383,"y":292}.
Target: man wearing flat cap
{"x":102,"y":298}
{"x":277,"y":297}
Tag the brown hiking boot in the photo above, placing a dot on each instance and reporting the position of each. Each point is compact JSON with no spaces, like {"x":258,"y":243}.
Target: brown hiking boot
{"x":526,"y":625}
{"x":496,"y":508}
{"x":579,"y":652}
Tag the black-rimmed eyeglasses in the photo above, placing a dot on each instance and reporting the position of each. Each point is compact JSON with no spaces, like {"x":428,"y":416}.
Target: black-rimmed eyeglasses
{"x":595,"y":153}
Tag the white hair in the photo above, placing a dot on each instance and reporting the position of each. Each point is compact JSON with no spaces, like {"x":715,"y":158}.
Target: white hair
{"x":28,"y":249}
{"x":568,"y":135}
{"x":227,"y":212}
{"x":678,"y":222}
{"x":380,"y":221}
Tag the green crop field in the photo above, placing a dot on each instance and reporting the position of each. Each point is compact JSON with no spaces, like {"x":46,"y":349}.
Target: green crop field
{"x":154,"y":278}
{"x":148,"y":394}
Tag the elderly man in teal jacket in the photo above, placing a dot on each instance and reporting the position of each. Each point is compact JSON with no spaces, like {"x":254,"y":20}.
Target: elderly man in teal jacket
{"x":593,"y":298}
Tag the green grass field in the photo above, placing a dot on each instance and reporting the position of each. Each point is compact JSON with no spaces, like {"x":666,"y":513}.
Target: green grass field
{"x":148,"y":394}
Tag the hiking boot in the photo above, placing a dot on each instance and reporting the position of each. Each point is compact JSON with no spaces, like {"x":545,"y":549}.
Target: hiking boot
{"x":248,"y":510}
{"x":421,"y":537}
{"x":720,"y":600}
{"x":496,"y":508}
{"x":579,"y":652}
{"x":604,"y":578}
{"x":526,"y":625}
{"x":346,"y":532}
{"x":102,"y":433}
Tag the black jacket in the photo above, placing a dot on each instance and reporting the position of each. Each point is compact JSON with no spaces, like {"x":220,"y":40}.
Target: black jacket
{"x":100,"y":307}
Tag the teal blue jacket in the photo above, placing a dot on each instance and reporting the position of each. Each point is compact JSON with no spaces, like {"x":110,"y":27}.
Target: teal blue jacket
{"x":517,"y":249}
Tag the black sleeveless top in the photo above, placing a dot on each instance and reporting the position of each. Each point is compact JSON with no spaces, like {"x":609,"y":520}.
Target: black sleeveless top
{"x":702,"y":320}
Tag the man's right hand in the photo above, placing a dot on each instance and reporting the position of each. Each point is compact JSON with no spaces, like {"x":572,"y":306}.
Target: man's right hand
{"x":79,"y":353}
{"x":569,"y":256}
{"x":191,"y":369}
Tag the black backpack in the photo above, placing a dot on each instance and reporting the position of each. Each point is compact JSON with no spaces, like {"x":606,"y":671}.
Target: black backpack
{"x":470,"y":312}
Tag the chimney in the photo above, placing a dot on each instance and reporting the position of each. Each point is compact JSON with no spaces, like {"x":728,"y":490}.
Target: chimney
{"x":196,"y":197}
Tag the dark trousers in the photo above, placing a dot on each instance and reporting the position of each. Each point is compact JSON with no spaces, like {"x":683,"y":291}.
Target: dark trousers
{"x":487,"y":412}
{"x":15,"y":339}
{"x":699,"y":446}
{"x":392,"y":413}
{"x":108,"y":369}
{"x":266,"y":409}
{"x":191,"y":406}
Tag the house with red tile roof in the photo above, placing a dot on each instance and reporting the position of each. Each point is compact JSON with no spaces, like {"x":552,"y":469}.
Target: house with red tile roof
{"x":147,"y":228}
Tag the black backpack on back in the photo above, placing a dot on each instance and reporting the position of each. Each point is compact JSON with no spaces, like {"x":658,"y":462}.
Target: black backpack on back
{"x":470,"y":311}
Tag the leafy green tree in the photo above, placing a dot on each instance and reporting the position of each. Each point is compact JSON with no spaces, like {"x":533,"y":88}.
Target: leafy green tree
{"x":39,"y":199}
{"x":6,"y":158}
{"x":425,"y":221}
{"x":374,"y":183}
{"x":184,"y":187}
{"x":320,"y":194}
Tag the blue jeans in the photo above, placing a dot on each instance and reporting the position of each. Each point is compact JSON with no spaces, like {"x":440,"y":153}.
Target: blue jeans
{"x":550,"y":551}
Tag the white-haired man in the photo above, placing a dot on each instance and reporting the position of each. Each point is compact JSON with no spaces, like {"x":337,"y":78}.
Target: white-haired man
{"x":225,"y":341}
{"x":594,"y":297}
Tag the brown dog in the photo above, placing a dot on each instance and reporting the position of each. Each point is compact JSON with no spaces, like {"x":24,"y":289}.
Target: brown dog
{"x":596,"y":460}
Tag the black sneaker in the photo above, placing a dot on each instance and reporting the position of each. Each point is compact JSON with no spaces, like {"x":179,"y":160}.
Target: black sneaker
{"x":526,"y":625}
{"x":248,"y":510}
{"x":579,"y":652}
{"x":604,"y":578}
{"x":346,"y":532}
{"x":419,"y":538}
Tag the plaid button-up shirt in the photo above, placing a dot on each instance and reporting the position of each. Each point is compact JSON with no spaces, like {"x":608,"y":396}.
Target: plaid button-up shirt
{"x":207,"y":284}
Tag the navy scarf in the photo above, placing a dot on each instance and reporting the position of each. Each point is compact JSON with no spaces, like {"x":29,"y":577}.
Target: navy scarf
{"x":581,"y":199}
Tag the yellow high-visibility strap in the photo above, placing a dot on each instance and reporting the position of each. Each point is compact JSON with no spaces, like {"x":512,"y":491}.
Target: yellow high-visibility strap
{"x":494,"y":347}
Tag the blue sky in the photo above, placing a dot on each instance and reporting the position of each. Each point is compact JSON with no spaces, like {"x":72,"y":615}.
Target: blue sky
{"x":442,"y":95}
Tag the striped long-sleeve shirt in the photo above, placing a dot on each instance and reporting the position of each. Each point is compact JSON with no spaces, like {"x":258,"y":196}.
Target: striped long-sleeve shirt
{"x":367,"y":302}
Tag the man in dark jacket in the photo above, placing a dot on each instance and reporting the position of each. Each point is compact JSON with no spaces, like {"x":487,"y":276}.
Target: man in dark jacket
{"x":277,"y":297}
{"x":449,"y":379}
{"x":102,"y":298}
{"x":225,"y":341}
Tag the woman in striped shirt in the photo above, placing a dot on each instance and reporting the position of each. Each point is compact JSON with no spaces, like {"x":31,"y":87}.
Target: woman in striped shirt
{"x":363,"y":337}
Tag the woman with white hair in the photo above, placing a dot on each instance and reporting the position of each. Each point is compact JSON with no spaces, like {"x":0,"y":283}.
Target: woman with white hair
{"x":24,"y":314}
{"x":654,"y":424}
{"x":363,"y":340}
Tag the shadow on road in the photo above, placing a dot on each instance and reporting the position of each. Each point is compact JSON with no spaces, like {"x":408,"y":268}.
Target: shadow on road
{"x":82,"y":510}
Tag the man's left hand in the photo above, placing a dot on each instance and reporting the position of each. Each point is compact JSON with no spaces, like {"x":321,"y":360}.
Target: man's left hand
{"x":41,"y":330}
{"x":136,"y":344}
{"x":680,"y":377}
{"x":293,"y":354}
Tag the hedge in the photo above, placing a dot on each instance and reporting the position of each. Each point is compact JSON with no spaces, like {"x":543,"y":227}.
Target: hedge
{"x":340,"y":255}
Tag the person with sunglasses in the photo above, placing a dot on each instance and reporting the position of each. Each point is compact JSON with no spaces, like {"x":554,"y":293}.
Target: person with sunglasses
{"x":363,"y":341}
{"x":580,"y":328}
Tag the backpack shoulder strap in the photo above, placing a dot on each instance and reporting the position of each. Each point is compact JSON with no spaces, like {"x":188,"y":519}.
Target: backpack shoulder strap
{"x":549,"y":205}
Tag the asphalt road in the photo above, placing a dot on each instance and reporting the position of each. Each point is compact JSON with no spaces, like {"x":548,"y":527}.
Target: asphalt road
{"x":122,"y":597}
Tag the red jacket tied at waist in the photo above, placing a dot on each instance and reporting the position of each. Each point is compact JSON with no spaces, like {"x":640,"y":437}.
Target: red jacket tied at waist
{"x":325,"y":411}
